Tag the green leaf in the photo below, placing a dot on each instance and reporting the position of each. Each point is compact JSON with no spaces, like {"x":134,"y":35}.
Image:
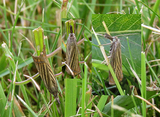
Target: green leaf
{"x":101,"y":104}
{"x":117,"y":22}
{"x":122,"y":101}
{"x":70,"y":97}
{"x":3,"y":62}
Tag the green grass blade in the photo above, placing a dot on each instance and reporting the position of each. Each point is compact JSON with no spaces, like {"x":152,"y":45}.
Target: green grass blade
{"x":143,"y":78}
{"x":101,"y":104}
{"x":70,"y":96}
{"x":84,"y":82}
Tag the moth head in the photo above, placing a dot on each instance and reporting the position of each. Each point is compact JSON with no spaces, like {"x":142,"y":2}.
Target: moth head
{"x":115,"y":39}
{"x":108,"y":36}
{"x":72,"y":37}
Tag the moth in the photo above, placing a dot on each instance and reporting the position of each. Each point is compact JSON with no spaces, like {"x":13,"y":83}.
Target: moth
{"x":42,"y":64}
{"x":115,"y":59}
{"x":72,"y":54}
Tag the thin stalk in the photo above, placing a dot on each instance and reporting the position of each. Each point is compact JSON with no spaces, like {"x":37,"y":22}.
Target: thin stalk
{"x":143,"y":78}
{"x":13,"y":30}
{"x":84,"y":82}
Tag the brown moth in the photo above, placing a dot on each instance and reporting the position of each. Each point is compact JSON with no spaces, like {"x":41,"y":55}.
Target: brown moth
{"x":46,"y":73}
{"x":72,"y":54}
{"x":115,"y":59}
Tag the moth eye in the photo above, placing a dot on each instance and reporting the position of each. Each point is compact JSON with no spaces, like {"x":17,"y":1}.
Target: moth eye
{"x":71,"y":35}
{"x":114,"y":39}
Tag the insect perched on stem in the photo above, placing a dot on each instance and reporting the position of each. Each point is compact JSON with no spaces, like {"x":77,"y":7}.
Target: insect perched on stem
{"x":46,"y":73}
{"x":72,"y":55}
{"x":115,"y":59}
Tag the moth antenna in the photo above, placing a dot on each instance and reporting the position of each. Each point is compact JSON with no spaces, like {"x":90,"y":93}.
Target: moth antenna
{"x":108,"y":36}
{"x":71,"y":29}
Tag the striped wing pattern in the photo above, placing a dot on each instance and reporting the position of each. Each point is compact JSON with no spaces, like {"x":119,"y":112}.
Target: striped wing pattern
{"x":46,"y":73}
{"x":72,"y":55}
{"x":116,"y":61}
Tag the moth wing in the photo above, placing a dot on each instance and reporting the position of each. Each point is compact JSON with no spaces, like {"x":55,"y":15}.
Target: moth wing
{"x":72,"y":58}
{"x":70,"y":54}
{"x":116,"y":63}
{"x":75,"y":66}
{"x":46,"y":73}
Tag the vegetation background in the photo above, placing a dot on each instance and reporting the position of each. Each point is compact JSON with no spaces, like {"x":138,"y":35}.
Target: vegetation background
{"x":20,"y":96}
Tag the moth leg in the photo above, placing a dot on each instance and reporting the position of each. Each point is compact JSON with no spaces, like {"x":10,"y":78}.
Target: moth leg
{"x":105,"y":44}
{"x":104,"y":62}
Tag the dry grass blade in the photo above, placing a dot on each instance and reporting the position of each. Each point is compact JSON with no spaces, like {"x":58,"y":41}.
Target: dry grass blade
{"x":99,"y":112}
{"x":151,"y":28}
{"x":135,"y":74}
{"x":148,"y":103}
{"x":68,"y":68}
{"x":33,"y":81}
{"x":29,"y":42}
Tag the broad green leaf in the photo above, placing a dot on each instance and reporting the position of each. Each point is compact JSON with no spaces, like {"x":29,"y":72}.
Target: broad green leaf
{"x":117,"y":22}
{"x":70,"y":97}
{"x":101,"y":104}
{"x":122,"y":101}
